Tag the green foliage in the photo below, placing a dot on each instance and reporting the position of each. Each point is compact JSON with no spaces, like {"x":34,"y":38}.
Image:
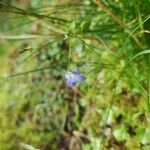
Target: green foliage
{"x":41,"y":41}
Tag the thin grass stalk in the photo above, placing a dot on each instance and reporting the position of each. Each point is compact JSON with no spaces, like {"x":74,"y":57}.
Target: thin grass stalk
{"x":118,"y":20}
{"x":148,"y":91}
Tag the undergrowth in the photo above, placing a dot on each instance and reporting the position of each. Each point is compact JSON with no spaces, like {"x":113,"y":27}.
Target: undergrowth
{"x":108,"y":41}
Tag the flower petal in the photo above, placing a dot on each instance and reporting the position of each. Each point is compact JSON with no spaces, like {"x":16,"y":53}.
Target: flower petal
{"x":70,"y":83}
{"x":80,"y":78}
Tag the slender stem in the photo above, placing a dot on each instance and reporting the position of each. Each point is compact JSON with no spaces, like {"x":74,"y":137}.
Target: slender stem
{"x":20,"y":37}
{"x":110,"y":104}
{"x":27,"y":72}
{"x":118,"y":20}
{"x":148,"y":80}
{"x":69,"y":55}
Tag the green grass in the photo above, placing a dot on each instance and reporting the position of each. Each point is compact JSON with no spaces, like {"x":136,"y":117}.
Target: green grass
{"x":108,"y":41}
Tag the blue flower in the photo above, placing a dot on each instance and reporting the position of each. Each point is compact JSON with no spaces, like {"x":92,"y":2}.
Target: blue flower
{"x":73,"y":77}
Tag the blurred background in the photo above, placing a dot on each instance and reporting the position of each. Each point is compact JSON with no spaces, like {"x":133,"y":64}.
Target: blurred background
{"x":108,"y":41}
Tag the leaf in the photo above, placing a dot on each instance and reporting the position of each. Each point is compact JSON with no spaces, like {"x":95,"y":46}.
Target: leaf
{"x":139,"y":54}
{"x":120,"y":133}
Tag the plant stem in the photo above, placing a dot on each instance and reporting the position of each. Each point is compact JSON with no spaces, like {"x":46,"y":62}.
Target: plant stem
{"x":148,"y":81}
{"x":118,"y":20}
